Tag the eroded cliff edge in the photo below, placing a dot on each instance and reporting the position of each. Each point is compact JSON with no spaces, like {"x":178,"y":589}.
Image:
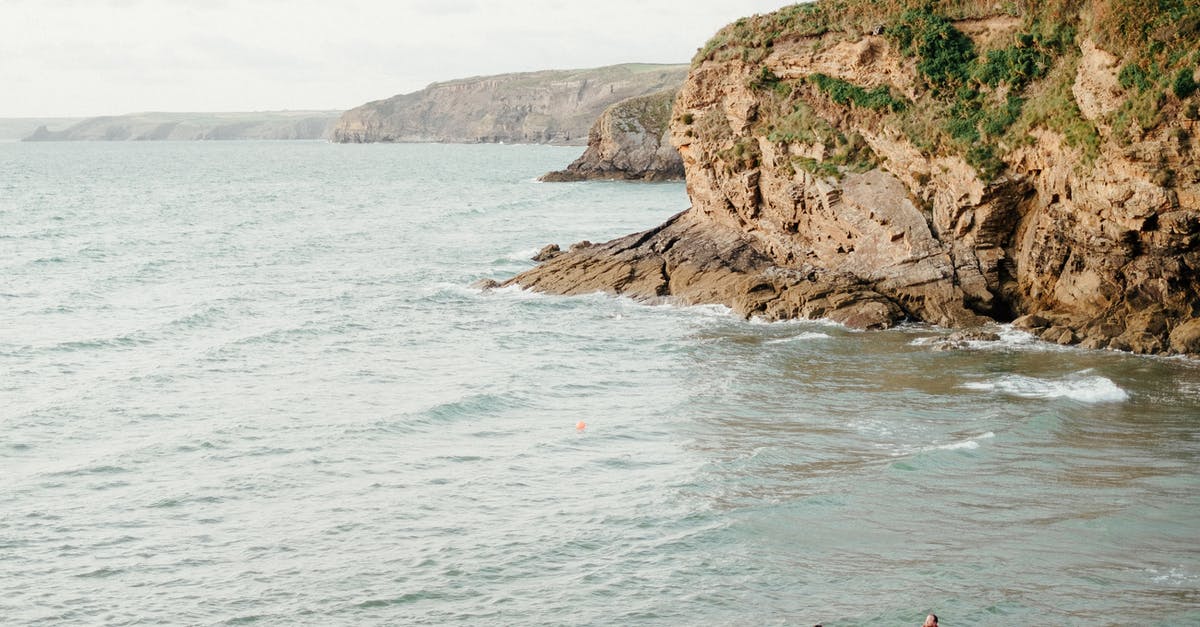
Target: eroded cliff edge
{"x":870,"y":162}
{"x":630,"y":141}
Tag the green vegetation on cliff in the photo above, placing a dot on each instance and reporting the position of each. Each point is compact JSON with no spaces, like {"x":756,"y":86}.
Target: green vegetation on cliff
{"x":982,"y":103}
{"x":649,"y":114}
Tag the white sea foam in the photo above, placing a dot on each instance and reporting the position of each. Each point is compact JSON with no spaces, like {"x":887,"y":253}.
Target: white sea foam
{"x":969,"y":445}
{"x":442,"y":289}
{"x":525,"y":254}
{"x":803,"y":337}
{"x":1080,"y":386}
{"x":810,"y":322}
{"x":517,"y":292}
{"x":704,"y":311}
{"x":1011,"y":338}
{"x":1172,"y":577}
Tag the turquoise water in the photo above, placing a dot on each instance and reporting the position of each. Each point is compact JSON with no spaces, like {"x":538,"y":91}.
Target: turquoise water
{"x":249,"y":383}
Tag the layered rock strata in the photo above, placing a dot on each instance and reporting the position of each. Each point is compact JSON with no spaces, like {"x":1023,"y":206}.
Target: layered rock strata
{"x":816,"y":192}
{"x":630,"y":141}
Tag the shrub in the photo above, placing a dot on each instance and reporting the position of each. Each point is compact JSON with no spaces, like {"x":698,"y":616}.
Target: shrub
{"x":1132,"y":75}
{"x":983,"y":158}
{"x":944,"y":52}
{"x":765,"y":79}
{"x":812,"y":166}
{"x":1016,"y":66}
{"x":1184,"y":85}
{"x":844,"y":93}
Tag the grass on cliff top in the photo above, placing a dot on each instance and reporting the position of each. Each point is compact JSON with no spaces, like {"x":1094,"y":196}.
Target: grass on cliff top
{"x":853,"y":17}
{"x":980,"y":104}
{"x":1137,"y":29}
{"x":651,"y":113}
{"x":1157,"y":41}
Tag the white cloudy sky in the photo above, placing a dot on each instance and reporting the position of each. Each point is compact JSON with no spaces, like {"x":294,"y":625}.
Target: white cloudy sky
{"x":99,"y":57}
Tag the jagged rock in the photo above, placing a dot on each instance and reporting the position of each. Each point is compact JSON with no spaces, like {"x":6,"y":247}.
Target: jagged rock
{"x":630,"y":141}
{"x":960,"y":340}
{"x":689,"y":261}
{"x":485,"y":284}
{"x":548,"y":252}
{"x":1032,"y":322}
{"x":1186,"y":338}
{"x":806,"y":203}
{"x":553,"y":106}
{"x":974,"y":335}
{"x":1058,"y":335}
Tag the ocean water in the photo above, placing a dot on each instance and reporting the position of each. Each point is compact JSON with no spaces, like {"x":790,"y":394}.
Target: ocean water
{"x":249,"y":383}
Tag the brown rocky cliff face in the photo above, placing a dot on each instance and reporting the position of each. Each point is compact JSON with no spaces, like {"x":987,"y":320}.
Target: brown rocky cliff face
{"x":1101,"y":252}
{"x":630,"y":141}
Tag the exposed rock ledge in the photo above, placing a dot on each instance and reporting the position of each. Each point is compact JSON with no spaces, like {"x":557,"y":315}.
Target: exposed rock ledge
{"x":1101,"y":250}
{"x":688,"y":260}
{"x":630,"y":141}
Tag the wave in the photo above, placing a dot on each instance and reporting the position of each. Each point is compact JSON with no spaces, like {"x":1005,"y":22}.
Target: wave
{"x":525,"y":255}
{"x":803,"y":337}
{"x":472,"y":406}
{"x":1010,"y":339}
{"x":969,"y":445}
{"x":513,"y":291}
{"x":810,"y":322}
{"x":131,"y":340}
{"x":1080,"y":386}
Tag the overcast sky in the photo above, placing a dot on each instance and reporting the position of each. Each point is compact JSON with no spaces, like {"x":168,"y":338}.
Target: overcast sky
{"x":104,"y":57}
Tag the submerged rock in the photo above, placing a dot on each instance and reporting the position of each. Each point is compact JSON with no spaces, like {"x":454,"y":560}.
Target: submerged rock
{"x":961,"y":340}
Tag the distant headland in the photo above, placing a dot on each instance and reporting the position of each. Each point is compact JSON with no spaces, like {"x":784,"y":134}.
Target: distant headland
{"x":194,"y":126}
{"x":546,"y":107}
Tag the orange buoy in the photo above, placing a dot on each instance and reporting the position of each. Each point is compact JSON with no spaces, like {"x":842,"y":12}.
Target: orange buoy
{"x":580,"y":426}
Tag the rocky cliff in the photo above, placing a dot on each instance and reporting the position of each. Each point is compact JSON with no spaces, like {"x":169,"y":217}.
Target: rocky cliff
{"x":195,"y":126}
{"x":630,"y":141}
{"x":557,"y":106}
{"x":948,"y":162}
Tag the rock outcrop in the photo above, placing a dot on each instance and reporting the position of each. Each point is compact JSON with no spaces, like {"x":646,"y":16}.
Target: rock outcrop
{"x":549,"y":107}
{"x":14,"y":129}
{"x":275,"y":125}
{"x":873,"y":162}
{"x":631,"y":141}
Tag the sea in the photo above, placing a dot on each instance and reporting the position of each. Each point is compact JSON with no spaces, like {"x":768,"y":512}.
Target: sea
{"x":251,"y":383}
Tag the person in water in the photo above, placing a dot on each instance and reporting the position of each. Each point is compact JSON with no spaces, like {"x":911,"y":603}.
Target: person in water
{"x":931,"y":621}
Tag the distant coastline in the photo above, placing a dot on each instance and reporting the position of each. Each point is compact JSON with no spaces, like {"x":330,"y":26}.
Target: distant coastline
{"x":158,"y":126}
{"x":16,"y":129}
